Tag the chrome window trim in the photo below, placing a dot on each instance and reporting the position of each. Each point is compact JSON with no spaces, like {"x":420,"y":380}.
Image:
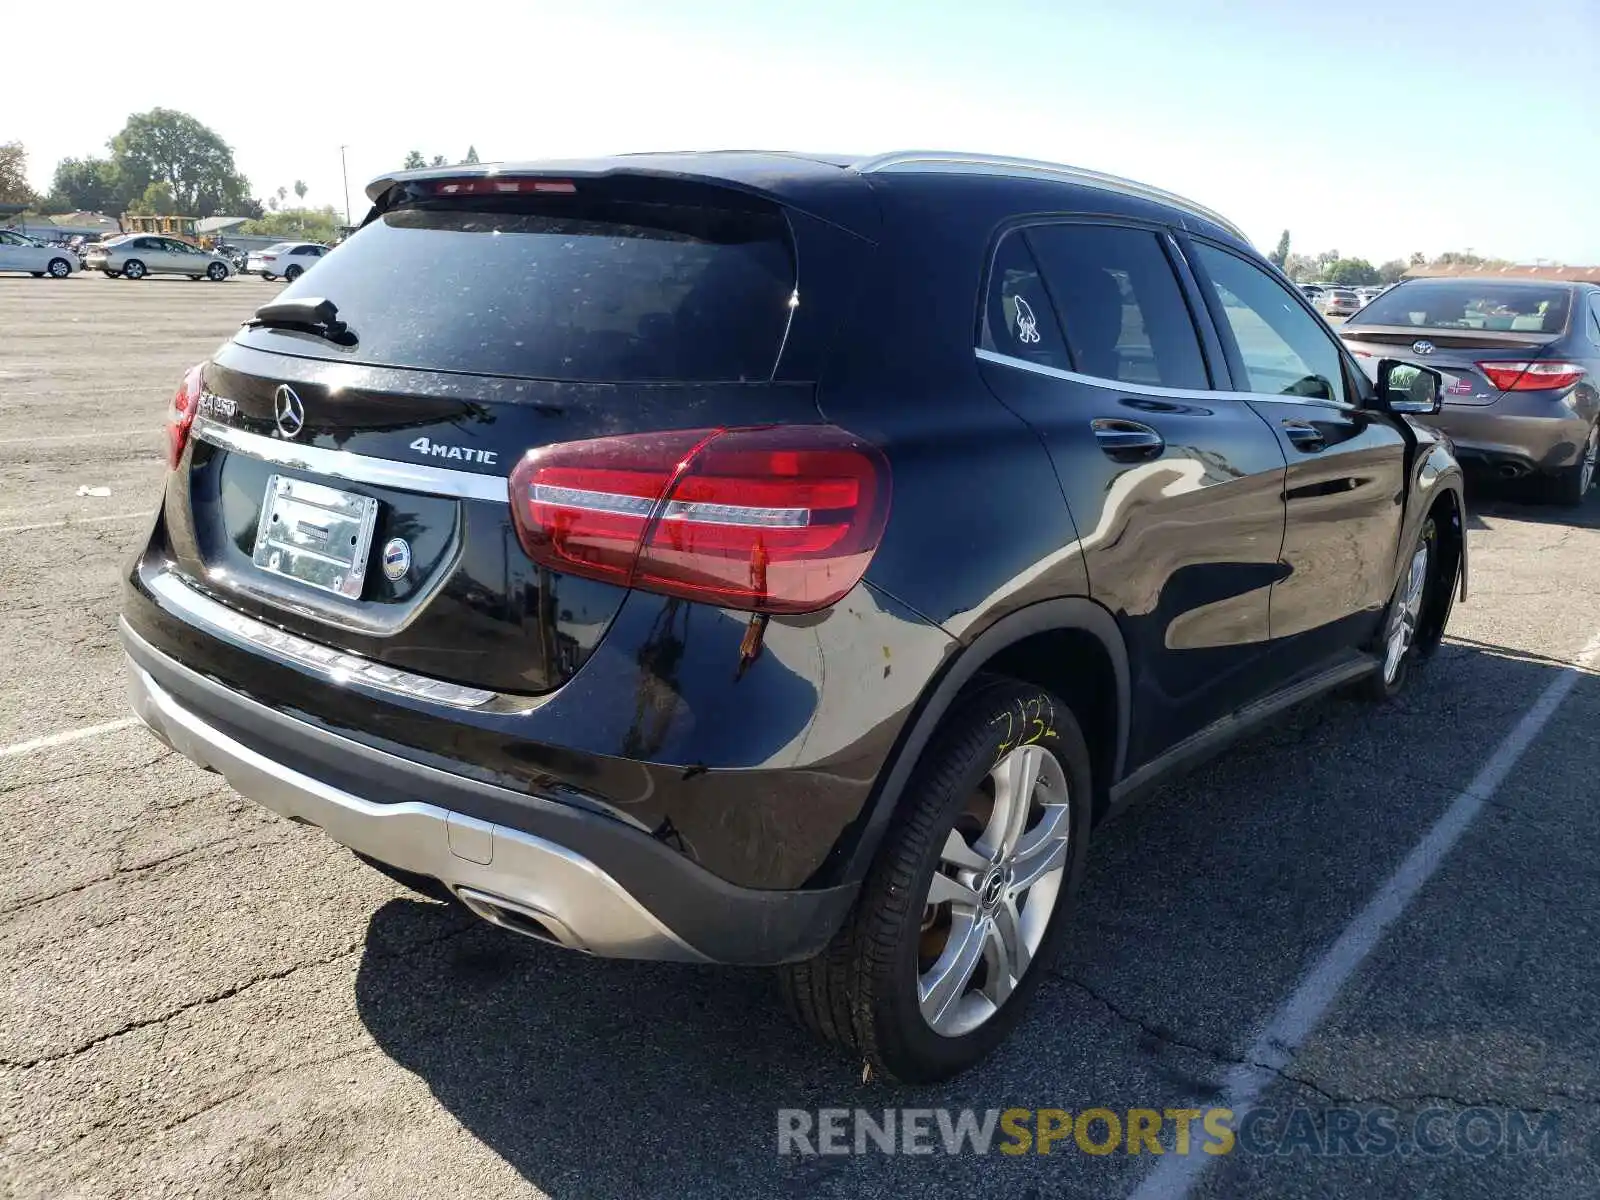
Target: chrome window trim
{"x":982,"y":164}
{"x":335,"y":666}
{"x":1150,"y":389}
{"x":357,"y":468}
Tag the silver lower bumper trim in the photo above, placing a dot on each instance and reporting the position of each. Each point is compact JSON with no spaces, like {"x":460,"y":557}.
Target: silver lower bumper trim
{"x":504,"y":875}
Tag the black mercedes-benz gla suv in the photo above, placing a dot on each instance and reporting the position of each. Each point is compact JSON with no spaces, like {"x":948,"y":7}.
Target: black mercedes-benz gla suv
{"x":765,"y":559}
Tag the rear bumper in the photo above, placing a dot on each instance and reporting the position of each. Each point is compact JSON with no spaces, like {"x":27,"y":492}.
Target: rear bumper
{"x":578,"y":878}
{"x":1517,"y":435}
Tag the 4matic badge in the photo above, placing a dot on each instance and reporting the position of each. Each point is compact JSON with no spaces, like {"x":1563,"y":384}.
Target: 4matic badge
{"x":458,"y":453}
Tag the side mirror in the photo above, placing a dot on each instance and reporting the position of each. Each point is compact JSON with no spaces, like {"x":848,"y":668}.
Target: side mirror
{"x":1407,"y":388}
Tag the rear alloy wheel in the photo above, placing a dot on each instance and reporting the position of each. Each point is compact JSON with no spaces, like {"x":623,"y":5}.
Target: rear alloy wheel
{"x":292,"y":274}
{"x":60,"y":268}
{"x":964,"y":907}
{"x":1572,"y":484}
{"x":133,"y":269}
{"x":1398,"y":650}
{"x":216,"y":272}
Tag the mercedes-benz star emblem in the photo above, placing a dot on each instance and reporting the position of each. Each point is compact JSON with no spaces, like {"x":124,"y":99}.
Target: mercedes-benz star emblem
{"x":1422,"y":347}
{"x":289,"y":412}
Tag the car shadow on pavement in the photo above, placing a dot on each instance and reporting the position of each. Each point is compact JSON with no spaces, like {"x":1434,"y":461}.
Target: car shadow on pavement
{"x":1519,"y":500}
{"x":1202,"y":909}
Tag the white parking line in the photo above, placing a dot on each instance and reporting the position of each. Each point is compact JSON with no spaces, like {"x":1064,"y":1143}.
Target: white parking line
{"x":127,"y":516}
{"x":1276,"y":1045}
{"x":65,"y":736}
{"x":78,"y":437}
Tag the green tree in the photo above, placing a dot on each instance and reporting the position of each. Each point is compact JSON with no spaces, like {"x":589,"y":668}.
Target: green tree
{"x":157,"y":200}
{"x":472,"y":155}
{"x":438,"y":161}
{"x":88,"y":185}
{"x":414,"y":161}
{"x":300,"y":190}
{"x":1351,"y":272}
{"x":1300,"y":268}
{"x":14,"y":187}
{"x":1418,"y":258}
{"x":1280,"y":256}
{"x":1392,"y":271}
{"x":164,"y":145}
{"x":305,"y":224}
{"x":272,"y":203}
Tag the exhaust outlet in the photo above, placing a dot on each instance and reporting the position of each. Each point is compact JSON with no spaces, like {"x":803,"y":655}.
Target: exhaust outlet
{"x":520,"y":918}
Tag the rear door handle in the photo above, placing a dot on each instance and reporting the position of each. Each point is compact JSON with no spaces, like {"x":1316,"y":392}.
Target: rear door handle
{"x":1126,"y":441}
{"x":1305,"y":436}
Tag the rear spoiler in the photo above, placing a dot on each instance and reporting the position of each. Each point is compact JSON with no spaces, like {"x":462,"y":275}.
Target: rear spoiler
{"x":1449,"y":338}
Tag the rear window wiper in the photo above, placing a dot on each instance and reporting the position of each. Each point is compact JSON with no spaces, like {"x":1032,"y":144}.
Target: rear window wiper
{"x":309,"y":315}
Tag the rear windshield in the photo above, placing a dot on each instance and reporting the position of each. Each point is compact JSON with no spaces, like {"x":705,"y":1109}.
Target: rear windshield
{"x":1471,"y":304}
{"x":561,"y":288}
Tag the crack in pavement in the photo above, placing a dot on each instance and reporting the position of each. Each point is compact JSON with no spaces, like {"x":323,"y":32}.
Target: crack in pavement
{"x":45,"y":897}
{"x":471,"y":925}
{"x":1166,"y":1036}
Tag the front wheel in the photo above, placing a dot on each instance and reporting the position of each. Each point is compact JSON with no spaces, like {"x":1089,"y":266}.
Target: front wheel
{"x":965,"y":905}
{"x":292,"y":274}
{"x":1399,"y":650}
{"x":1572,"y":484}
{"x":60,"y":268}
{"x":217,"y":272}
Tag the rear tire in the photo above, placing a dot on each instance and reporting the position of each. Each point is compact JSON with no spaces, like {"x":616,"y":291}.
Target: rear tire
{"x":133,"y":269}
{"x":1569,"y":486}
{"x":945,"y":946}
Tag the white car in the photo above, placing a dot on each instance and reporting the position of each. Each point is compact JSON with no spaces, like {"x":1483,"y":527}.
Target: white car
{"x":19,"y":252}
{"x":289,"y":259}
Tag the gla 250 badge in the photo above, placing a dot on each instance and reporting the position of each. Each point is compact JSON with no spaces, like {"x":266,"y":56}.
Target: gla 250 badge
{"x":456,"y":453}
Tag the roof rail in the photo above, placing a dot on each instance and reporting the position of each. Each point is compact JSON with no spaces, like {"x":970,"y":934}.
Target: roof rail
{"x":993,"y":164}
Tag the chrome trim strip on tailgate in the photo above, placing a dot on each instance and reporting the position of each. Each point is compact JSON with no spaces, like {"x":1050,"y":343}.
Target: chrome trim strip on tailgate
{"x":336,"y":666}
{"x":358,"y":468}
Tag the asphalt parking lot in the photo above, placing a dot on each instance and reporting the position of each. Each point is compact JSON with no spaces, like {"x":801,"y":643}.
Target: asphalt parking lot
{"x":204,"y":1000}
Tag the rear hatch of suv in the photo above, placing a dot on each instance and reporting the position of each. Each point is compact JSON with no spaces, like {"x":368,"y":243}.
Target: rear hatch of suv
{"x":1484,"y":336}
{"x":345,"y":476}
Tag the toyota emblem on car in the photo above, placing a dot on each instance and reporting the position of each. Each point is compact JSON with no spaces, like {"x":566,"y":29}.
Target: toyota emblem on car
{"x":289,"y":412}
{"x":1422,"y":346}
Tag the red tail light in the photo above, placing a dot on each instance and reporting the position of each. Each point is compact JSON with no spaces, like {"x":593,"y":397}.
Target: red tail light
{"x":180,"y":413}
{"x":781,"y":519}
{"x":1533,"y":376}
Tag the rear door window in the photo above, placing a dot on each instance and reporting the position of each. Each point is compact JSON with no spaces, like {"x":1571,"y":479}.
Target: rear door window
{"x":1284,"y":350}
{"x":568,"y":288}
{"x":1121,"y":306}
{"x":1019,"y":320}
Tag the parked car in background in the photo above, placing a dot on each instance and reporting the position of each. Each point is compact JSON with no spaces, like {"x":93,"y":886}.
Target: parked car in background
{"x":19,"y":252}
{"x":1310,"y":290}
{"x":1338,"y":302}
{"x":524,"y":413}
{"x":136,"y":255}
{"x":1521,"y":364}
{"x":288,"y":259}
{"x":1366,"y":295}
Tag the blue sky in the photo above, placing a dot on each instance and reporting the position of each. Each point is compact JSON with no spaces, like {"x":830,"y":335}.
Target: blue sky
{"x":1373,"y":129}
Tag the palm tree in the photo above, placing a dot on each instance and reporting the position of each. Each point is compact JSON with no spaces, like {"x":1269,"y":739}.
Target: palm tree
{"x":300,"y":189}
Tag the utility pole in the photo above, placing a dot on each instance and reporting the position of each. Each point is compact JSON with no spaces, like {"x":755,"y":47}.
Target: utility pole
{"x":345,"y":171}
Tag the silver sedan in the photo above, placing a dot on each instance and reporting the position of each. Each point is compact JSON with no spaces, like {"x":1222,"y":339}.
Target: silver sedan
{"x":136,"y":255}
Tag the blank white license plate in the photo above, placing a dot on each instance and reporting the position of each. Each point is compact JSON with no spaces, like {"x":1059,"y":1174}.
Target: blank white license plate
{"x":314,"y":534}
